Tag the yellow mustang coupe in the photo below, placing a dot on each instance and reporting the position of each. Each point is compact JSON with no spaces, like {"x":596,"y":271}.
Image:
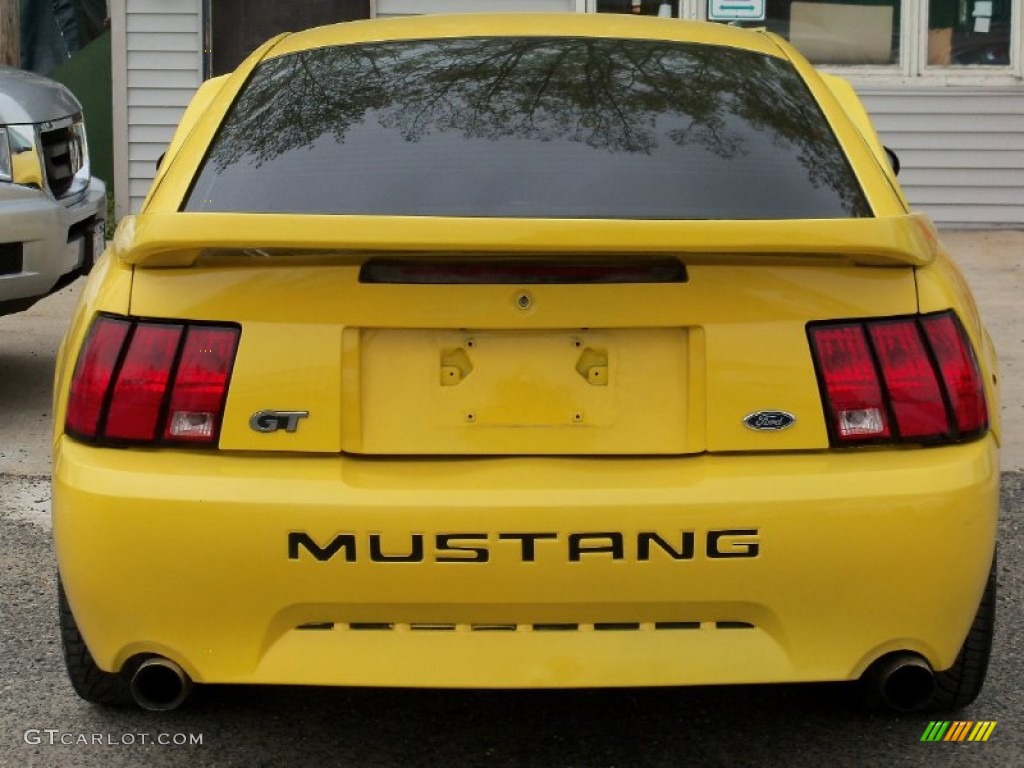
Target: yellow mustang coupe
{"x":518,"y":351}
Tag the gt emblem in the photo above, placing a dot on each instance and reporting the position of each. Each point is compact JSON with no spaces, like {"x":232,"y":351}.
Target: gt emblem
{"x":271,"y":421}
{"x":770,"y":421}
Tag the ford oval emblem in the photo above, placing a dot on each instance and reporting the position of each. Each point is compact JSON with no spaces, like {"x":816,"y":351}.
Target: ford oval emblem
{"x":769,"y":421}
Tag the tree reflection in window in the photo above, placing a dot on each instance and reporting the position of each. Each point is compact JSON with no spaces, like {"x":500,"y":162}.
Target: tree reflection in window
{"x":548,"y":127}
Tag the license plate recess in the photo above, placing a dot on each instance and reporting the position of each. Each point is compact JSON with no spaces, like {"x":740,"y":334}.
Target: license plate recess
{"x":607,"y":391}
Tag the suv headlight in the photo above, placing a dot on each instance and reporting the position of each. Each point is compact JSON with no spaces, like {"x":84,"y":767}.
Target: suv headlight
{"x":82,"y":173}
{"x":19,"y":148}
{"x":5,"y":157}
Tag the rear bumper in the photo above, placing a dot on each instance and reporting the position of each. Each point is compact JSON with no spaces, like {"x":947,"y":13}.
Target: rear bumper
{"x":346,"y":571}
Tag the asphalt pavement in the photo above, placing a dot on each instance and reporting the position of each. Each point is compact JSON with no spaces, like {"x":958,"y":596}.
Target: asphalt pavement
{"x":42,"y":723}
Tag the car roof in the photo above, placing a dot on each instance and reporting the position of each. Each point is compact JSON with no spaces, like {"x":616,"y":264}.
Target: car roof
{"x":26,"y":97}
{"x":598,"y":25}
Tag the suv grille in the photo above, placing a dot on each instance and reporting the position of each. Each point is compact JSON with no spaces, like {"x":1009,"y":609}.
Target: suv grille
{"x":63,"y":157}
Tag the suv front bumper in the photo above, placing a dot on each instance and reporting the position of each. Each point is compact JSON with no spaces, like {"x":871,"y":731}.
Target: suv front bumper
{"x":57,"y":243}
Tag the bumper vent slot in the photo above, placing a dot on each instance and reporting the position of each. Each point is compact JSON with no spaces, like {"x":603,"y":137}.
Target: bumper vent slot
{"x":556,"y":627}
{"x":493,"y":627}
{"x":677,"y":625}
{"x":369,"y":626}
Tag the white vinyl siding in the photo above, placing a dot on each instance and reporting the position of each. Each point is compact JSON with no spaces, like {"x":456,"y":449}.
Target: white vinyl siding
{"x":161,"y":68}
{"x":961,"y":148}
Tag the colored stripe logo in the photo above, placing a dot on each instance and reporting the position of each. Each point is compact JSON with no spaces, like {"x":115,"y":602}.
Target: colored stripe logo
{"x":958,"y":730}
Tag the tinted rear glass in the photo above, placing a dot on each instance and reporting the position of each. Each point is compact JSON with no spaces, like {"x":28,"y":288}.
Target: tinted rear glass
{"x":528,"y":127}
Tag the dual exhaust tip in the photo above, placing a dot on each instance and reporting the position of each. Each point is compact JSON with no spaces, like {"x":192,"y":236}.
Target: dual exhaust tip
{"x":160,"y":685}
{"x":904,"y":682}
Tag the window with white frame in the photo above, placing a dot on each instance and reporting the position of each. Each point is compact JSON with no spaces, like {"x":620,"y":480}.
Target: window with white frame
{"x":640,"y":7}
{"x":969,"y":32}
{"x":855,"y":32}
{"x":905,"y":36}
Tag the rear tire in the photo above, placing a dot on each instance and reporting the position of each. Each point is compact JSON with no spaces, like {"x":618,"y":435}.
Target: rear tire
{"x":959,"y":685}
{"x":89,"y":681}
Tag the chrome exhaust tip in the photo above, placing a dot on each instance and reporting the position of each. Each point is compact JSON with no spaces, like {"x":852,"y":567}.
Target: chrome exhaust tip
{"x":160,"y":685}
{"x":904,"y":682}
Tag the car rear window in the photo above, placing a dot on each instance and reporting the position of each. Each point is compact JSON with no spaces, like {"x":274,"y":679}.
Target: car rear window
{"x":528,"y":127}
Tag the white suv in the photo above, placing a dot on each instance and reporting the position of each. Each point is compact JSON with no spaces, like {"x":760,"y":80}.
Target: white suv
{"x":51,"y":209}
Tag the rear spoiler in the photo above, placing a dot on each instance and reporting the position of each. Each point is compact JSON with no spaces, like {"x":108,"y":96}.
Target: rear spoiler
{"x":183,"y":239}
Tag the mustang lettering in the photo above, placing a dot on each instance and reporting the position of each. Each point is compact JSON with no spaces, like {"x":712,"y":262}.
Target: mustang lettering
{"x":719,"y":544}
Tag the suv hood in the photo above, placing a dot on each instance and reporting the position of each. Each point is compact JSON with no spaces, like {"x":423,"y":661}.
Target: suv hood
{"x":26,"y":97}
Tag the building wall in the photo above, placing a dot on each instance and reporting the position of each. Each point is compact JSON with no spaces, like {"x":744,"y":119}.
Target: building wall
{"x":961,"y":148}
{"x":157,"y":66}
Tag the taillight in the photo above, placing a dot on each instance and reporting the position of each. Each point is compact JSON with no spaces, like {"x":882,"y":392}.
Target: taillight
{"x":910,"y":379}
{"x":959,"y":370}
{"x":851,"y":381}
{"x":140,"y":381}
{"x":200,"y":384}
{"x":93,"y":374}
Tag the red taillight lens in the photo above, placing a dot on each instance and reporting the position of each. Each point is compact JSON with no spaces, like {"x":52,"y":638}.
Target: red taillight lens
{"x":93,"y":374}
{"x":913,"y":379}
{"x":850,"y":380}
{"x":910,"y":380}
{"x":148,"y":382}
{"x":142,"y":383}
{"x":201,"y":384}
{"x":959,"y":371}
